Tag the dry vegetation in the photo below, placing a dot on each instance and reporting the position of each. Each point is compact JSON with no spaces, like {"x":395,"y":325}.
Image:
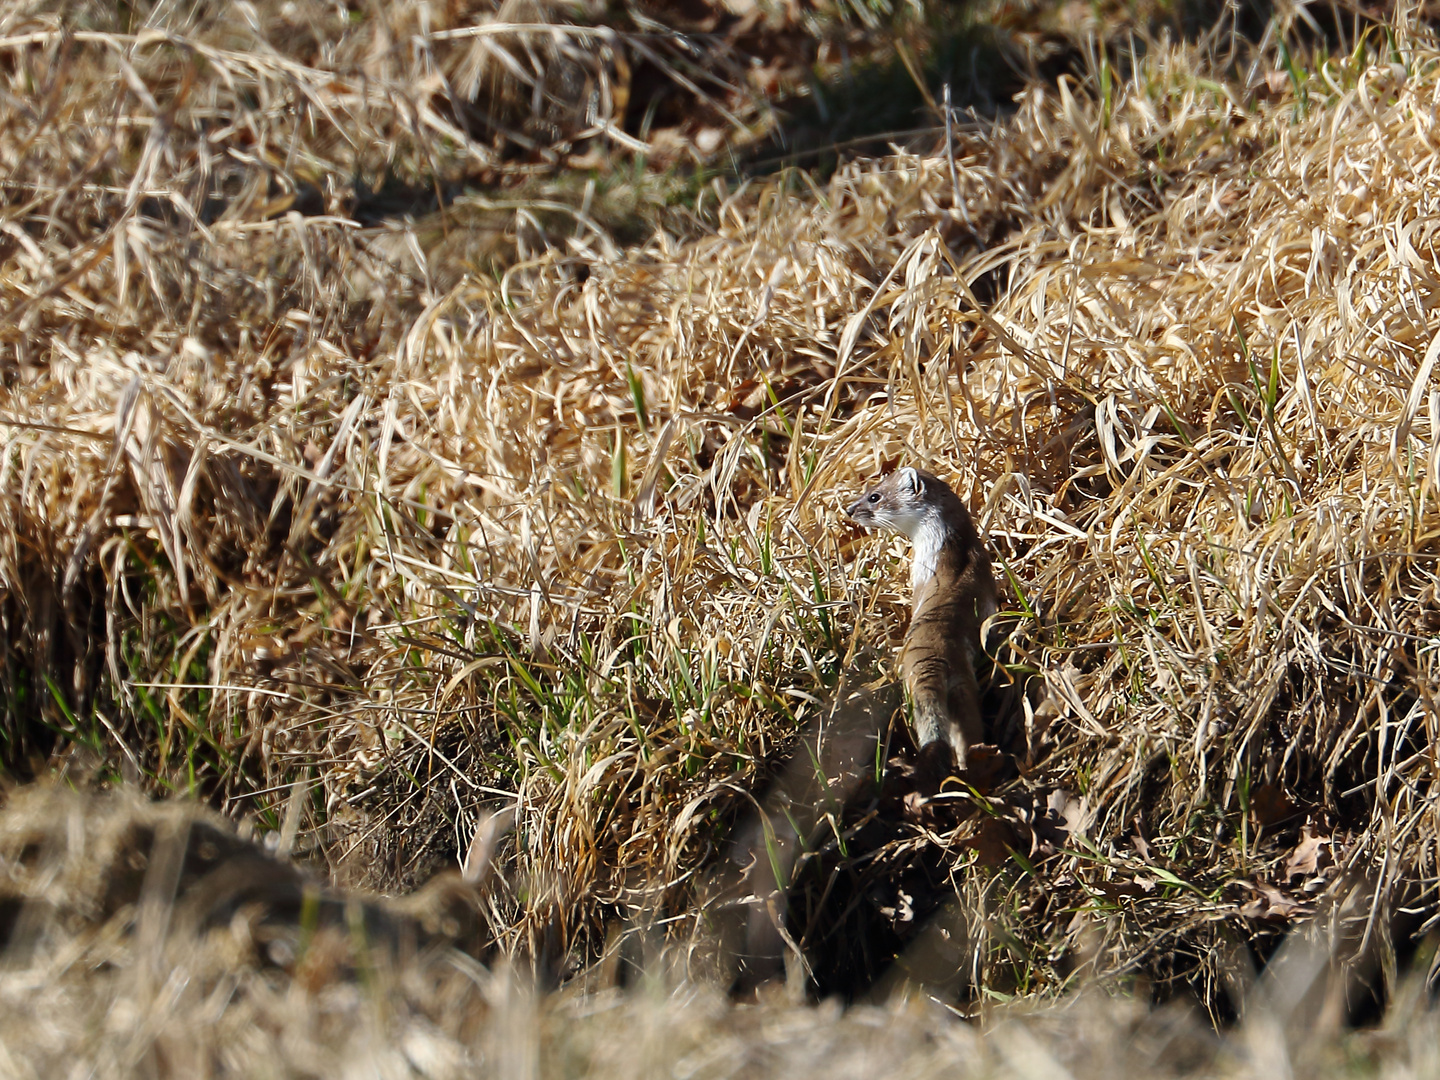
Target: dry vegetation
{"x":375,"y":538}
{"x":153,"y":942}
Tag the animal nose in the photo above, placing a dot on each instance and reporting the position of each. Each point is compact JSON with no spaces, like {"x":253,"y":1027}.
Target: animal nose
{"x":853,"y":508}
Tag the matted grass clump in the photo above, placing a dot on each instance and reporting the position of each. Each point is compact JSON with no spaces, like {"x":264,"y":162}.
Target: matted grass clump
{"x":325,"y":529}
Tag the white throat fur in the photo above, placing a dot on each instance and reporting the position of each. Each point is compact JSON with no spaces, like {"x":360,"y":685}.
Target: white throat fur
{"x":928,"y":536}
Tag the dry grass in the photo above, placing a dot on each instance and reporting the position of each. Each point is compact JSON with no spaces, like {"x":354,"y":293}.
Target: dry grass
{"x":146,"y":940}
{"x":305,"y":515}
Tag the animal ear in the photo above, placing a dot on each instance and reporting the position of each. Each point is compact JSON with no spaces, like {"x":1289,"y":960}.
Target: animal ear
{"x":911,"y":479}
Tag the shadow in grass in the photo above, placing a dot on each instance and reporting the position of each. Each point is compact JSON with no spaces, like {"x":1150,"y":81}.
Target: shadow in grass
{"x":871,"y":105}
{"x":985,"y":61}
{"x":882,"y":96}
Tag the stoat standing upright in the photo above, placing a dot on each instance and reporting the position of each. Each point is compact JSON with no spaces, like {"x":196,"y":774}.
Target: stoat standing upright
{"x":954,"y":593}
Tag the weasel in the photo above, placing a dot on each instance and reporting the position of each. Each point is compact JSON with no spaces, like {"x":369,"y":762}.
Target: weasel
{"x":954,"y":593}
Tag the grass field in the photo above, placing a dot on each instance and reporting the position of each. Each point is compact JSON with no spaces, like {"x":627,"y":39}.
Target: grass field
{"x":431,"y":461}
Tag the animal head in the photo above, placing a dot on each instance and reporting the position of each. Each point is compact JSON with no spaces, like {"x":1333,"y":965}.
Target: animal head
{"x":904,"y":502}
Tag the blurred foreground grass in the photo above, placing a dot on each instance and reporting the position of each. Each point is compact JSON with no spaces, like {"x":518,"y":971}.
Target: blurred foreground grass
{"x":151,"y":942}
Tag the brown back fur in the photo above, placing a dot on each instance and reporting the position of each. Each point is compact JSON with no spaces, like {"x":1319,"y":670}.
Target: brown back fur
{"x":937,"y":661}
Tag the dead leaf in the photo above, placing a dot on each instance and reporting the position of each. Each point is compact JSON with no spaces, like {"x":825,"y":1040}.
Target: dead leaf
{"x":993,"y":842}
{"x":1138,"y":841}
{"x":1269,"y":806}
{"x":1067,"y":809}
{"x":1304,"y":861}
{"x":916,"y":808}
{"x":983,"y":765}
{"x":1271,"y":903}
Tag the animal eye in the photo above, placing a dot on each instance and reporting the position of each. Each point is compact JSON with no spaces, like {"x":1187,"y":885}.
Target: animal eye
{"x":874,"y":497}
